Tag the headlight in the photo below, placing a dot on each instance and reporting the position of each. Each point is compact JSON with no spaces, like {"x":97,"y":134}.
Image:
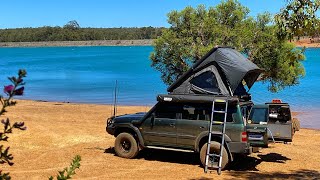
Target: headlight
{"x":110,"y":121}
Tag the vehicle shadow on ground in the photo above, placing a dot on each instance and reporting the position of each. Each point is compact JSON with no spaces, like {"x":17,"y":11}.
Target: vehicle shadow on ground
{"x":296,"y":174}
{"x":240,"y":163}
{"x":241,"y":167}
{"x":165,"y":156}
{"x":110,"y":150}
{"x":248,"y":163}
{"x":170,"y":156}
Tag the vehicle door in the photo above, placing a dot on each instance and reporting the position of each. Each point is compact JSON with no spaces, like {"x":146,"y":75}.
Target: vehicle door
{"x":257,"y":126}
{"x":159,"y":128}
{"x":195,"y":119}
{"x":191,"y":121}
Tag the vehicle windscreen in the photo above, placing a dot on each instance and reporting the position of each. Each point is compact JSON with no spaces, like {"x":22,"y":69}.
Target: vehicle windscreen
{"x":258,"y":115}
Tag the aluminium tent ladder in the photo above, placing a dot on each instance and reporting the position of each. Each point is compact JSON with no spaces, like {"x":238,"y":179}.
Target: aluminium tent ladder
{"x":216,"y":165}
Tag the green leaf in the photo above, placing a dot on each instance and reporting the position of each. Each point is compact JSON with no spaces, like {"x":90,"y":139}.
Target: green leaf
{"x":68,"y":172}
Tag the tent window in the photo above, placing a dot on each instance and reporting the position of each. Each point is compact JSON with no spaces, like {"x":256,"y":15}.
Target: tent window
{"x":206,"y":81}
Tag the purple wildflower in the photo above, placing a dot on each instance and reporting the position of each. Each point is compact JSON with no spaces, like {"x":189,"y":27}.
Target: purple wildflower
{"x":4,"y":121}
{"x":8,"y":89}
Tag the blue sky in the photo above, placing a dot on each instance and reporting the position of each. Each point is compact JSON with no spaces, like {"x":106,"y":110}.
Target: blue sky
{"x":106,"y":13}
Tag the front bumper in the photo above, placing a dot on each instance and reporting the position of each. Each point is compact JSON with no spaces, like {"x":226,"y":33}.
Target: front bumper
{"x":110,"y":129}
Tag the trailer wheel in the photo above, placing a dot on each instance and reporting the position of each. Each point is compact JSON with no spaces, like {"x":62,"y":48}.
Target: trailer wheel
{"x":126,"y":146}
{"x":214,"y":149}
{"x":296,"y":124}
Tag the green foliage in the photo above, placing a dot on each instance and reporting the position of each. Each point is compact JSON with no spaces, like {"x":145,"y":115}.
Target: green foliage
{"x":280,"y":61}
{"x":194,"y":31}
{"x":67,"y":172}
{"x":73,"y":32}
{"x":73,"y":25}
{"x":16,"y":88}
{"x":298,"y":18}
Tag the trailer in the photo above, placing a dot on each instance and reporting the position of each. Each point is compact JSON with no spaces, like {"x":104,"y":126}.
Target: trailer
{"x":277,"y":116}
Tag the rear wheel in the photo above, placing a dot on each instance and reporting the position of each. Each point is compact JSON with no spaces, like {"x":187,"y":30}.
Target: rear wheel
{"x":126,"y":146}
{"x":296,"y":124}
{"x":214,"y":149}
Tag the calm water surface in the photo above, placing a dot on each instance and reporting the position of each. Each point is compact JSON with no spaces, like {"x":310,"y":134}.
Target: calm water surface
{"x":88,"y":75}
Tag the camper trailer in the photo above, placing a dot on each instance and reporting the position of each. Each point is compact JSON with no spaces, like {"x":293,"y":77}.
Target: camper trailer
{"x":277,"y":116}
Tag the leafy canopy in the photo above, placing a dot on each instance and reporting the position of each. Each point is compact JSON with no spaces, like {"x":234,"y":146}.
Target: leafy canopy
{"x":298,"y":18}
{"x":194,"y":31}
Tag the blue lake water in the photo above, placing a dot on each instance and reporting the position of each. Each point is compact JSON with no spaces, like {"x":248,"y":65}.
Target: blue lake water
{"x":88,"y":75}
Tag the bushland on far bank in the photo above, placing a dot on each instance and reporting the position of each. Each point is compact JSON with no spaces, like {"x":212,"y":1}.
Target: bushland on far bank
{"x":73,"y":32}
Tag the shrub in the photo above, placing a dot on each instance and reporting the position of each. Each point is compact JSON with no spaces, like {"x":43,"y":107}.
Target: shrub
{"x":16,"y":88}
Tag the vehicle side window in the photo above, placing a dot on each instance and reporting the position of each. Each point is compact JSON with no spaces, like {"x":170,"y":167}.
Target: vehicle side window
{"x":193,"y":111}
{"x":202,"y":112}
{"x":167,"y":111}
{"x":196,"y":112}
{"x":232,"y":109}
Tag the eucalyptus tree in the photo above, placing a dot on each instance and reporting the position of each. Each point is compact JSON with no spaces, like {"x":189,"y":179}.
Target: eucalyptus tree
{"x":194,"y":31}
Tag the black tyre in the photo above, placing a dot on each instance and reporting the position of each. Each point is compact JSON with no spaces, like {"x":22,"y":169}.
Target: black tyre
{"x":214,"y":149}
{"x":126,"y":146}
{"x":296,"y":124}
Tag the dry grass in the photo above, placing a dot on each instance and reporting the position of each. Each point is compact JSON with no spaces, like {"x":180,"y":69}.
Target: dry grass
{"x":58,"y":131}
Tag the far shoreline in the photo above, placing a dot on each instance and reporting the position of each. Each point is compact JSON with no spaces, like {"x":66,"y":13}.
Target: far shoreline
{"x":135,"y":42}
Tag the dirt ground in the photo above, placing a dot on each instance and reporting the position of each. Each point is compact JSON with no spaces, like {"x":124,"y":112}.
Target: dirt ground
{"x":59,"y":131}
{"x":307,"y":42}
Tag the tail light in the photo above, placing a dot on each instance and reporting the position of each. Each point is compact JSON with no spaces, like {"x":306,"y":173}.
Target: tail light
{"x":244,"y":136}
{"x":276,"y":101}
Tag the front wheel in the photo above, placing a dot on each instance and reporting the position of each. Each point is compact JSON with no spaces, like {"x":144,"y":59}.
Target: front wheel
{"x":214,"y":149}
{"x":126,"y":146}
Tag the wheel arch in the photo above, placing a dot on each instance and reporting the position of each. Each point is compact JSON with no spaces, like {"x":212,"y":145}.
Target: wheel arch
{"x":134,"y":131}
{"x":216,"y":136}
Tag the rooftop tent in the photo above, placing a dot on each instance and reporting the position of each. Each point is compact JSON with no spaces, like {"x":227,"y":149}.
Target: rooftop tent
{"x":219,"y":72}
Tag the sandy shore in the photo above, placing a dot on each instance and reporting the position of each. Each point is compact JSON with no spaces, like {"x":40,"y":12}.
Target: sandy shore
{"x":307,"y":43}
{"x":59,"y":131}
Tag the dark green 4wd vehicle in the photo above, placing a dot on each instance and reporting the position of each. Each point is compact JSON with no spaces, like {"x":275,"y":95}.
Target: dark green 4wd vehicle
{"x":180,"y":120}
{"x":181,"y":123}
